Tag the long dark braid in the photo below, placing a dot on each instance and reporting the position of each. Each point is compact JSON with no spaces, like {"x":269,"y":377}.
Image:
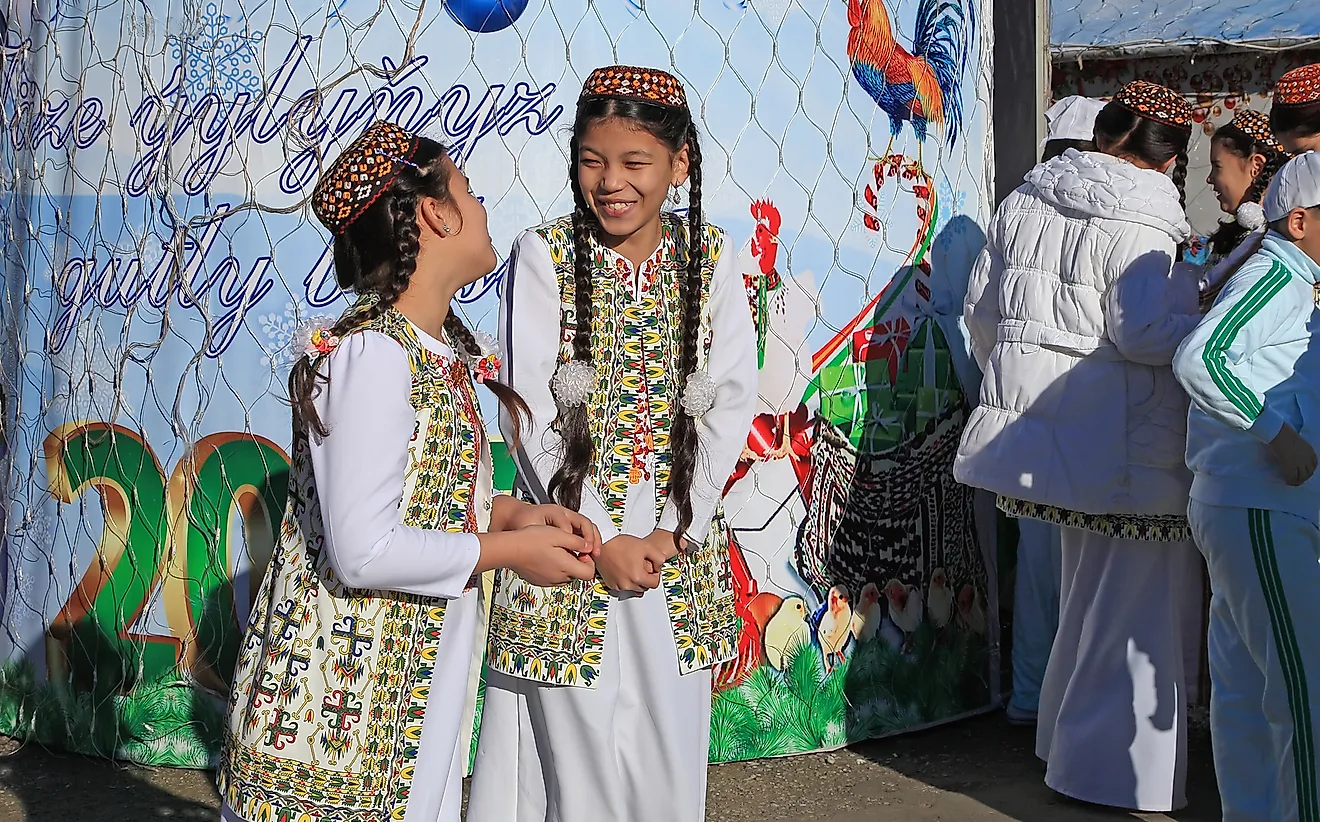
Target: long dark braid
{"x":683,"y":435}
{"x":1180,"y":178}
{"x":376,"y":257}
{"x":514,"y":404}
{"x":566,"y":485}
{"x":386,"y":282}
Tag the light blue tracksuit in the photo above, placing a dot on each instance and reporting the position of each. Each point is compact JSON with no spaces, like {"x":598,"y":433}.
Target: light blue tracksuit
{"x":1250,"y":366}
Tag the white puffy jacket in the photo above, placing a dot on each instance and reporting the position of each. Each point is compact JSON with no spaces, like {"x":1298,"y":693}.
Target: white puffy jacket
{"x":1075,"y":311}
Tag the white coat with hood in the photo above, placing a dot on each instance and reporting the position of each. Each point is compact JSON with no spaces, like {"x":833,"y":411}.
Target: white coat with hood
{"x":1075,"y":311}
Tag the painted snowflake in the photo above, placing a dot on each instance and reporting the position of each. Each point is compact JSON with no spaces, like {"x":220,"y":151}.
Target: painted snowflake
{"x":35,"y":537}
{"x":217,"y":60}
{"x":951,"y":203}
{"x":279,"y":330}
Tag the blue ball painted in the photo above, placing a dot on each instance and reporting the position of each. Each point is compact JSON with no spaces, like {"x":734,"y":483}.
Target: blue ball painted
{"x":485,"y":16}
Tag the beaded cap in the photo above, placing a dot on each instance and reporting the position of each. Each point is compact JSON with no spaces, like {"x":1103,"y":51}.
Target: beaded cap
{"x":1299,"y":87}
{"x":1155,"y":102}
{"x":633,"y":83}
{"x":1256,"y":125}
{"x":361,"y":174}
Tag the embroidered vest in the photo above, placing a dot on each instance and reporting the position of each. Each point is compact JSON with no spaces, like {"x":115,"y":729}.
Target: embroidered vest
{"x":556,"y":635}
{"x":330,"y":692}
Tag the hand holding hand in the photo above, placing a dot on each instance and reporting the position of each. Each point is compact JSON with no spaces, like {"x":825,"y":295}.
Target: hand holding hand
{"x":528,"y":516}
{"x":627,"y":563}
{"x":546,"y":555}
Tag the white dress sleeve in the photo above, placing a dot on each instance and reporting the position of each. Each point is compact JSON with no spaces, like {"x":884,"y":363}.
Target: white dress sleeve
{"x":530,"y":329}
{"x":722,"y":431}
{"x":360,"y":469}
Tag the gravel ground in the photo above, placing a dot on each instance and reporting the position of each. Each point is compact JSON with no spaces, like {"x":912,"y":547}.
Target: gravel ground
{"x":978,"y":769}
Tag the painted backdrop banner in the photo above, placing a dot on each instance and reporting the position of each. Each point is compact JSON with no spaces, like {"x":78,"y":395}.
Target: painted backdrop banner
{"x":159,"y":254}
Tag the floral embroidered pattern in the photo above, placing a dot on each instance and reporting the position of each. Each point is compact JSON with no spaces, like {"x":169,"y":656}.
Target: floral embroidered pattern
{"x":1168,"y":528}
{"x":635,"y":346}
{"x":332,"y":682}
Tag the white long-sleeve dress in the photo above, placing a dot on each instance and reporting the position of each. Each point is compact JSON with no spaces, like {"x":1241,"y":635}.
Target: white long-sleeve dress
{"x":630,"y":743}
{"x":364,"y":474}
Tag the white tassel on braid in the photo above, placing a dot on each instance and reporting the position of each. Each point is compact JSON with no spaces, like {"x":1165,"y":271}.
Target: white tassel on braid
{"x":1251,"y":216}
{"x":312,"y":337}
{"x":486,"y":364}
{"x":573,"y":383}
{"x":699,"y":394}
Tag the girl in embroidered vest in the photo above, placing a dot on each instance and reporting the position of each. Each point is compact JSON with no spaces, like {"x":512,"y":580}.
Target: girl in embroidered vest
{"x":632,"y":341}
{"x":354,"y":674}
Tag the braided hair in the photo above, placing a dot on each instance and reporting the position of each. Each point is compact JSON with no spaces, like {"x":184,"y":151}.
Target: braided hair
{"x":1120,"y":132}
{"x":1230,"y":233}
{"x":376,"y":256}
{"x":674,"y":127}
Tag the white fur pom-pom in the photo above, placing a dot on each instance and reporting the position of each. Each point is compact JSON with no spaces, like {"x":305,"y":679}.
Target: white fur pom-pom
{"x":699,"y":394}
{"x":1251,"y":216}
{"x":573,"y":383}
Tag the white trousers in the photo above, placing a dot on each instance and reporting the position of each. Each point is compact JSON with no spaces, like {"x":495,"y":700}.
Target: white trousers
{"x":1112,"y":725}
{"x":632,"y":749}
{"x":1035,"y":609}
{"x":1264,"y":659}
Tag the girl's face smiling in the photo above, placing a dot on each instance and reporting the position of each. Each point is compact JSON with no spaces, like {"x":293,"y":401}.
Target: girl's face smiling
{"x":1231,"y":174}
{"x":625,"y":173}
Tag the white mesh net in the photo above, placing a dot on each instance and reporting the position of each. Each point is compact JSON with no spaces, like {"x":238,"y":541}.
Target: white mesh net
{"x":159,"y":256}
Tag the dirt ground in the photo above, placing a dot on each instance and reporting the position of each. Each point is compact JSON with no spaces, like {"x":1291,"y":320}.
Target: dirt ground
{"x":974,"y":770}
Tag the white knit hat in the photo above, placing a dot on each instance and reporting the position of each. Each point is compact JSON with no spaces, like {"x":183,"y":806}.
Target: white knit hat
{"x":1297,"y":185}
{"x":1072,"y":118}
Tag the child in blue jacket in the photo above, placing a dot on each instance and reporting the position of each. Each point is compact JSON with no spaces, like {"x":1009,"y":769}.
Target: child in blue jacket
{"x":1252,"y":370}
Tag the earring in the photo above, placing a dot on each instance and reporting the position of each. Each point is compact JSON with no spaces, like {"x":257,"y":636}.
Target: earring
{"x":673,"y":195}
{"x":446,"y":228}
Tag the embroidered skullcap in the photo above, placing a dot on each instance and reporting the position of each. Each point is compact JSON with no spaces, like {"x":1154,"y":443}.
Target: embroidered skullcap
{"x":1072,"y":118}
{"x":361,"y":174}
{"x":1256,"y":125}
{"x":1155,"y":102}
{"x":1297,"y":185}
{"x":1299,"y":87}
{"x":632,"y":83}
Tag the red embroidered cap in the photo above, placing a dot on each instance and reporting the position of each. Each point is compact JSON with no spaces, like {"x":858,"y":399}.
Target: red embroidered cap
{"x":360,"y":174}
{"x":1256,"y":125}
{"x":1299,"y":87}
{"x":1155,"y":102}
{"x":630,"y":82}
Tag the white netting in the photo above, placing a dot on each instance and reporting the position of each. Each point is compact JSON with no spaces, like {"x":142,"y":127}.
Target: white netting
{"x":159,"y":255}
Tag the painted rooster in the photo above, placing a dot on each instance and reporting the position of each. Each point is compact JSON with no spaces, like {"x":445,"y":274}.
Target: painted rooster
{"x":923,"y":86}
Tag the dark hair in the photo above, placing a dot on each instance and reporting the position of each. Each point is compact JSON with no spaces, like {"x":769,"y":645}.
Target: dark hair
{"x":1121,"y":132}
{"x":1230,"y":233}
{"x":377,"y":255}
{"x":1054,"y":148}
{"x":1302,"y":120}
{"x":675,"y":128}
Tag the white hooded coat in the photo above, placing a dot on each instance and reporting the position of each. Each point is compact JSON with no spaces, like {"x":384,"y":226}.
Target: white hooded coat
{"x":1075,"y":311}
